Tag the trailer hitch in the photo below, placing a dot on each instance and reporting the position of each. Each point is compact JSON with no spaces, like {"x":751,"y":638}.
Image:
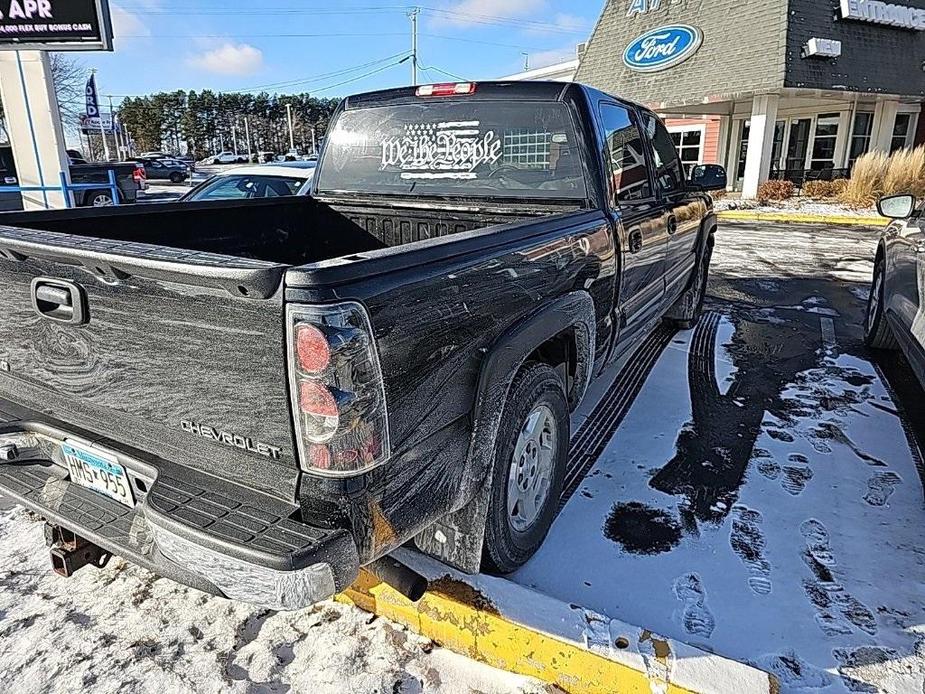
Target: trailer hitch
{"x":70,"y":552}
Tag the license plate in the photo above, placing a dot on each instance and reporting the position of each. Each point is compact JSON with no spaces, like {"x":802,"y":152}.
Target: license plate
{"x":99,"y":472}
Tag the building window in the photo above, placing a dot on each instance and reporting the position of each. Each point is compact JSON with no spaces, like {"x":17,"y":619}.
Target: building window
{"x":689,"y":143}
{"x":527,"y":149}
{"x":743,"y":150}
{"x":824,"y":142}
{"x":860,"y":135}
{"x":777,"y":147}
{"x":901,"y":129}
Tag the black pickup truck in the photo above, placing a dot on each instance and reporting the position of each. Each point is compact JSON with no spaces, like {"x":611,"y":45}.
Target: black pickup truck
{"x":256,"y":398}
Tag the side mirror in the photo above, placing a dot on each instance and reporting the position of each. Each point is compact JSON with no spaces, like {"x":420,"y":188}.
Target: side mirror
{"x":708,"y":177}
{"x":896,"y":206}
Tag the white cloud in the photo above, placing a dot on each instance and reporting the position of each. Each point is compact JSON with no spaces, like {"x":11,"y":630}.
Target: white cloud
{"x":127,"y":24}
{"x":474,"y":12}
{"x":557,"y":55}
{"x":229,"y":59}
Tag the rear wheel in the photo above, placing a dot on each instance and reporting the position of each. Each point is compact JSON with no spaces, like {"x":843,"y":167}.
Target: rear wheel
{"x":176,"y":177}
{"x":687,"y":309}
{"x":100,"y":199}
{"x":530,"y":458}
{"x":878,"y":334}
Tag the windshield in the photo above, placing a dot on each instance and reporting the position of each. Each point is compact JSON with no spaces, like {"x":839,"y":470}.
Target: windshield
{"x":244,"y":186}
{"x":498,"y":149}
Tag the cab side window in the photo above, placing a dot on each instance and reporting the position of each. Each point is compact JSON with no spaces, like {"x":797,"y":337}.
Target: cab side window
{"x":624,"y":152}
{"x":669,"y":175}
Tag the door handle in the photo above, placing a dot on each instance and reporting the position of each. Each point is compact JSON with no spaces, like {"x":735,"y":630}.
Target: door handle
{"x":635,"y":240}
{"x":672,"y":224}
{"x":59,"y":300}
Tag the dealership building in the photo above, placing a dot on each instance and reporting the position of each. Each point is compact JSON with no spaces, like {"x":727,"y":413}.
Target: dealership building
{"x":794,"y":89}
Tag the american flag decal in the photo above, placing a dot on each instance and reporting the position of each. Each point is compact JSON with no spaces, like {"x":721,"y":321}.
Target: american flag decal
{"x":451,"y":149}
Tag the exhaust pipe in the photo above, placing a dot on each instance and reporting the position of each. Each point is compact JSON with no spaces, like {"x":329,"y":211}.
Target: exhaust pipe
{"x":70,"y":552}
{"x":399,"y":576}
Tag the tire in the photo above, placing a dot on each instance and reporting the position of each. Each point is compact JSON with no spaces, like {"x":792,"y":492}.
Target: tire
{"x":531,"y":452}
{"x":877,"y":331}
{"x":176,"y":177}
{"x":100,"y":198}
{"x":686,"y":312}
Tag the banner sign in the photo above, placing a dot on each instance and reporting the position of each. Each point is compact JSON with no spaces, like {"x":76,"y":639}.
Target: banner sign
{"x":93,"y":101}
{"x":55,"y":25}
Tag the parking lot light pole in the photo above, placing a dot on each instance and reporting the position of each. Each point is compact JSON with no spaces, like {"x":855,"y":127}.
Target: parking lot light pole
{"x":291,"y":134}
{"x":247,"y":136}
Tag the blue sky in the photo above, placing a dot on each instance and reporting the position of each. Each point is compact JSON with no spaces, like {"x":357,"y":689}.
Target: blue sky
{"x":327,"y":47}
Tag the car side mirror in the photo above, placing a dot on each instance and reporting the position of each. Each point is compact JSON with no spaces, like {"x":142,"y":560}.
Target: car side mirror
{"x":708,"y":177}
{"x":896,"y":206}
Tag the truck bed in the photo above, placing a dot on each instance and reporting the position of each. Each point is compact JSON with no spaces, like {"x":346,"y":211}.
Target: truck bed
{"x":290,"y":231}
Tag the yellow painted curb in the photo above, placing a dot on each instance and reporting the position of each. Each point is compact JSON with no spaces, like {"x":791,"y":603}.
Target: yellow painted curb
{"x":799,"y":218}
{"x":458,"y":617}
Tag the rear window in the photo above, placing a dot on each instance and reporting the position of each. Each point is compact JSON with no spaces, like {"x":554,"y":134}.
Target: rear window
{"x":496,"y":149}
{"x":242,"y":186}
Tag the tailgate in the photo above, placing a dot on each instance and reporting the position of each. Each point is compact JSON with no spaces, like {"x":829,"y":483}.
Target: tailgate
{"x":179,"y":354}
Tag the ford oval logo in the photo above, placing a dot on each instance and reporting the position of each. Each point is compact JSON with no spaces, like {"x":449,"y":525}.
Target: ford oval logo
{"x":662,"y":48}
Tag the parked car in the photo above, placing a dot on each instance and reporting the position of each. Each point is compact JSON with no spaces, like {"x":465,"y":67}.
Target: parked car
{"x":896,"y":305}
{"x":154,"y":155}
{"x":165,"y":169}
{"x":227,"y":158}
{"x":284,"y":390}
{"x":129,"y":177}
{"x":261,"y":181}
{"x":266,"y":157}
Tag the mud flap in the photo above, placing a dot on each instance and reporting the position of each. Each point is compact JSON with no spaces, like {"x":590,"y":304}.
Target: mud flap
{"x":456,"y":539}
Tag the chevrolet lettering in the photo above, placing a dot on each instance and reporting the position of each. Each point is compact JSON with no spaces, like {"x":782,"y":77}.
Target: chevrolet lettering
{"x":662,"y":48}
{"x":245,"y":443}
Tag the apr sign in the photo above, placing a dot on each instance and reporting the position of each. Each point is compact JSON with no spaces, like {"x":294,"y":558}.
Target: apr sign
{"x":56,"y":25}
{"x":662,"y":48}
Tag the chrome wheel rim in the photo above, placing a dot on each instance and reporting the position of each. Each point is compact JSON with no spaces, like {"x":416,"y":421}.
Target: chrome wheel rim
{"x":102,"y":201}
{"x":873,"y":303}
{"x":531,"y":468}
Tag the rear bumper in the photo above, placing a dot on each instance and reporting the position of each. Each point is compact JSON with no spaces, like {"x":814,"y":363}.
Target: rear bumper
{"x":189,"y":527}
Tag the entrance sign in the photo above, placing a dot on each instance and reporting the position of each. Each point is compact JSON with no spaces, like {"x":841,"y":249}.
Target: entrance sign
{"x":662,"y":48}
{"x":55,"y":25}
{"x":876,"y":12}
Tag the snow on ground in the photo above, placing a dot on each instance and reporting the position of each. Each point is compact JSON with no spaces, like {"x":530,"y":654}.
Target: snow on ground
{"x":801,"y":205}
{"x":773,"y":513}
{"x":123,"y":629}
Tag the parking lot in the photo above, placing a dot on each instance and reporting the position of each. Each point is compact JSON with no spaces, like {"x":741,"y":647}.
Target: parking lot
{"x":751,"y":487}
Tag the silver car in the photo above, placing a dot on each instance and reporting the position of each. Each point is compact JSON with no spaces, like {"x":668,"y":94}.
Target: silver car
{"x":896,"y":308}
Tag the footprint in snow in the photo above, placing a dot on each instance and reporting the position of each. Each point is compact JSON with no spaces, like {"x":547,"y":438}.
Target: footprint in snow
{"x":768,"y":468}
{"x":695,"y":616}
{"x":793,"y":672}
{"x":795,"y":479}
{"x":748,"y":542}
{"x":837,"y":611}
{"x":780,"y":435}
{"x":817,"y":541}
{"x":880,"y":488}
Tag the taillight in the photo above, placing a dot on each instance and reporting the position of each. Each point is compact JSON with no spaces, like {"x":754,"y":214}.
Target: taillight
{"x":139,"y":174}
{"x":338,"y":396}
{"x":447,"y":89}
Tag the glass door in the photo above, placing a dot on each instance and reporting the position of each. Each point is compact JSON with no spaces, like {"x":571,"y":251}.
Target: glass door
{"x":798,"y":144}
{"x":743,"y":153}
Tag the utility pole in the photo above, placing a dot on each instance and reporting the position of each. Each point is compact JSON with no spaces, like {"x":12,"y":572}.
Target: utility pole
{"x":413,"y":14}
{"x":314,"y":146}
{"x":247,"y":135}
{"x":234,"y":134}
{"x":115,"y":132}
{"x":526,"y":61}
{"x":291,"y":134}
